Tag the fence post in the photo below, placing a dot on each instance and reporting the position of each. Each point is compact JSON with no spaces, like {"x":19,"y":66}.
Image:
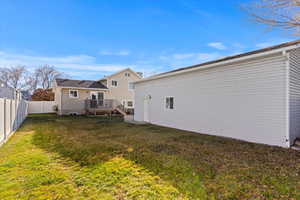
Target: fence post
{"x":16,"y":114}
{"x":4,"y":119}
{"x":11,"y":116}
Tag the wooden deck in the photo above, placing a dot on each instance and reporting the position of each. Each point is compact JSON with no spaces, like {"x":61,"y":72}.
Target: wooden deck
{"x":104,"y":106}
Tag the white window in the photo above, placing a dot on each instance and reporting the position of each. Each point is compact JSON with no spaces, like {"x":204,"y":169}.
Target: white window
{"x":130,"y":86}
{"x":170,"y":103}
{"x":130,"y":104}
{"x":73,"y":94}
{"x":114,"y":83}
{"x":127,"y":74}
{"x":96,"y":95}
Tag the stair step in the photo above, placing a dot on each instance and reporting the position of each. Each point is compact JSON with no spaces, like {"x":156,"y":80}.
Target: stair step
{"x":297,"y":142}
{"x":121,"y":111}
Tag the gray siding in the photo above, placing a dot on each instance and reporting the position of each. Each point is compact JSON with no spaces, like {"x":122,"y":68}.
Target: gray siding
{"x":244,"y":100}
{"x":294,"y":94}
{"x":8,"y":93}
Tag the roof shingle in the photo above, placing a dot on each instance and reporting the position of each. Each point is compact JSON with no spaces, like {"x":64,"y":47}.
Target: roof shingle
{"x":79,"y":83}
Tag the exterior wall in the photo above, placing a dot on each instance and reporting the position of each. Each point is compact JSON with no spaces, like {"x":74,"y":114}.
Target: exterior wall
{"x":245,"y":100}
{"x":57,"y":97}
{"x":71,"y":105}
{"x":122,"y":91}
{"x":294,"y":94}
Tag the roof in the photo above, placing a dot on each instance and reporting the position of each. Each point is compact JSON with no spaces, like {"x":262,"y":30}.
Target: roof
{"x":80,"y":84}
{"x":202,"y":65}
{"x":106,"y":77}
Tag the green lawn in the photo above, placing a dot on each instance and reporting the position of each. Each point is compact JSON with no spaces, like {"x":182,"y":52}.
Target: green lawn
{"x":93,"y":158}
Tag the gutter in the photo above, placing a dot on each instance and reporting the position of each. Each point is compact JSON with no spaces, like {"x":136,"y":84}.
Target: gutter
{"x":82,"y":88}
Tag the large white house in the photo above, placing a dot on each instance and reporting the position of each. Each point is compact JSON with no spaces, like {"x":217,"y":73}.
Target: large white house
{"x":253,"y":97}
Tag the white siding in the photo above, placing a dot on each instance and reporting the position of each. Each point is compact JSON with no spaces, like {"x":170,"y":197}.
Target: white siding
{"x":294,"y":92}
{"x":245,"y":100}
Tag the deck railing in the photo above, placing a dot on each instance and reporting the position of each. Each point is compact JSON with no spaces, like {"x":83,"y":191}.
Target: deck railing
{"x":105,"y":104}
{"x":99,"y":104}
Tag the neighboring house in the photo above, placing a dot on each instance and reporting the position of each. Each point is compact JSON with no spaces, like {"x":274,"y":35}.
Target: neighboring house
{"x":107,"y":94}
{"x":71,"y":95}
{"x":253,"y":97}
{"x":9,"y":93}
{"x":120,"y":87}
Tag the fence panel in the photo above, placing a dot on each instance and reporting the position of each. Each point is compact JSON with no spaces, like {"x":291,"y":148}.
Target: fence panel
{"x":12,"y":115}
{"x":2,"y":119}
{"x":41,"y":107}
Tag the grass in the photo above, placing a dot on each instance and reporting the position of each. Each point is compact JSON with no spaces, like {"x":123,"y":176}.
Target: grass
{"x":94,"y":158}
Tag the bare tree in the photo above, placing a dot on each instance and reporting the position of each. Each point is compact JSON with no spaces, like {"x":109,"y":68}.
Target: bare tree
{"x":15,"y":77}
{"x":45,"y":75}
{"x":4,"y":77}
{"x":18,"y":77}
{"x":32,"y":82}
{"x":283,"y":14}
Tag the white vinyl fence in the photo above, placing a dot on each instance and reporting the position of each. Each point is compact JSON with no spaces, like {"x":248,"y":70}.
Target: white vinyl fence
{"x":12,"y":114}
{"x":41,"y":107}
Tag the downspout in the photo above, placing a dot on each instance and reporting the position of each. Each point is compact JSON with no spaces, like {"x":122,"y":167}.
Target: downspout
{"x":287,"y":91}
{"x":61,"y":94}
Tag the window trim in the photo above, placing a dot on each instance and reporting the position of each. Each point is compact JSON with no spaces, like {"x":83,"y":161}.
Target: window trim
{"x":96,"y":93}
{"x":169,"y":107}
{"x":114,"y":85}
{"x":130,"y":89}
{"x":72,"y":97}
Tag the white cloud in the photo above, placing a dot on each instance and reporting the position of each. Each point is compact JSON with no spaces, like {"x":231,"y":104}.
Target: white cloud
{"x":217,"y":45}
{"x":19,"y":59}
{"x":93,"y":67}
{"x":117,"y":53}
{"x":186,"y":59}
{"x":194,"y":56}
{"x":238,"y":45}
{"x":64,"y":63}
{"x":184,"y":56}
{"x":265,"y":44}
{"x":77,"y":66}
{"x":272,"y":42}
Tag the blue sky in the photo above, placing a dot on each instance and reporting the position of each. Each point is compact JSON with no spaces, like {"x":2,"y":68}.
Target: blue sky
{"x":88,"y":39}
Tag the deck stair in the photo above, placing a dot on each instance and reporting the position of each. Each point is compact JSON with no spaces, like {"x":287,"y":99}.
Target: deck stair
{"x":296,"y":145}
{"x":121,"y":109}
{"x":105,"y":105}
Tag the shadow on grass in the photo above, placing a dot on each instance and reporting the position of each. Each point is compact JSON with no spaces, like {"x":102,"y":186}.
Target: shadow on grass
{"x":228,"y":168}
